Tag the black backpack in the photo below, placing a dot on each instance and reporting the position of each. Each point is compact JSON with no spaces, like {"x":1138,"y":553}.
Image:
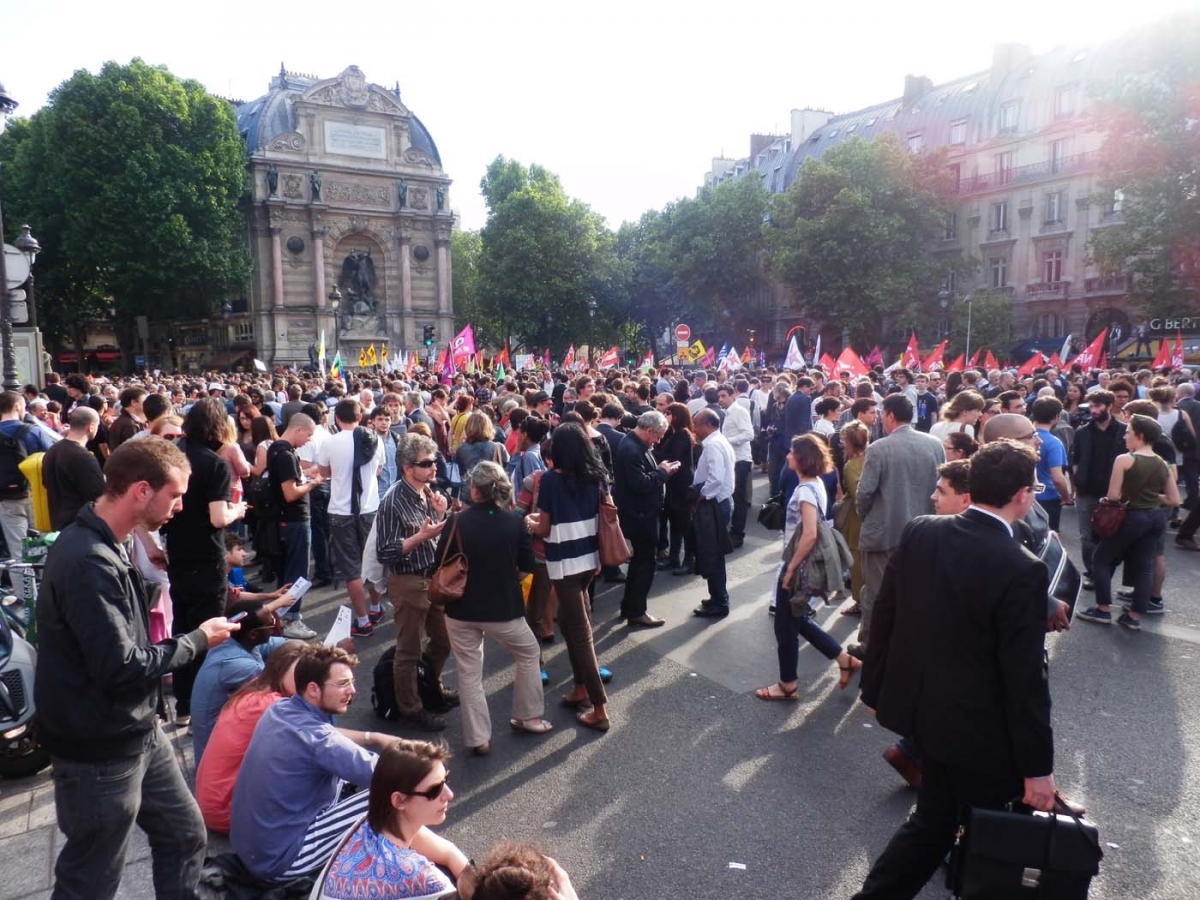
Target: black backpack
{"x":383,"y":688}
{"x":13,"y":452}
{"x":1182,"y":436}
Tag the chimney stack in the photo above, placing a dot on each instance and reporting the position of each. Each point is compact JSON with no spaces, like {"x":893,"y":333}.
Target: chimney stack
{"x":915,"y":87}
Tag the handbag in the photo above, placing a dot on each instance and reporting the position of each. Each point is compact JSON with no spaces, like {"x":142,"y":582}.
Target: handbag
{"x":841,"y":514}
{"x":1107,"y":518}
{"x":449,"y":582}
{"x":771,"y":515}
{"x":614,"y":549}
{"x":1003,"y":854}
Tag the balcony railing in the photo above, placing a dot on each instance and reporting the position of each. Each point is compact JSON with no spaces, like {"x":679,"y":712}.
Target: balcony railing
{"x":1051,"y":168}
{"x":1112,"y":284}
{"x":1048,"y":290}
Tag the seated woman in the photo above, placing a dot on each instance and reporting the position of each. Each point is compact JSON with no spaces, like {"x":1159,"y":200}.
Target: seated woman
{"x":392,"y":854}
{"x":513,"y":871}
{"x":230,"y":737}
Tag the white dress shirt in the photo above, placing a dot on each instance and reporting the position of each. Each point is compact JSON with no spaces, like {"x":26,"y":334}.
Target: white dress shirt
{"x":738,"y":430}
{"x":714,"y":471}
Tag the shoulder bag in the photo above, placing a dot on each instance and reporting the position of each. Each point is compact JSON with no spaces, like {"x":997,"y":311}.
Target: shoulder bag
{"x":771,"y":515}
{"x":1107,"y":518}
{"x":614,"y":549}
{"x":449,"y":582}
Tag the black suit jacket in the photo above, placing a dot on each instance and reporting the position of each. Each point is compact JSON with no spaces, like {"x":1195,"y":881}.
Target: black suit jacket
{"x":497,"y":548}
{"x":957,"y":661}
{"x":637,"y":488}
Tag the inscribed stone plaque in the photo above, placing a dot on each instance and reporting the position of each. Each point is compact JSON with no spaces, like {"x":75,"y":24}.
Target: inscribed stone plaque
{"x":355,"y":140}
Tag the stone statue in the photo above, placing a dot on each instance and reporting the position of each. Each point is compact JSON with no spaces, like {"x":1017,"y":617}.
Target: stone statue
{"x":358,"y":278}
{"x":314,"y":179}
{"x":272,"y":180}
{"x":441,"y":198}
{"x":402,"y":192}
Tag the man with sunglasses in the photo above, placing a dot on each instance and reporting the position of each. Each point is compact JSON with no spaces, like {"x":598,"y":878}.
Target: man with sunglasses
{"x":287,"y":819}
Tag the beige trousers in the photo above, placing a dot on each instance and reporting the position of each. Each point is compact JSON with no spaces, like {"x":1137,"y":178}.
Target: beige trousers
{"x":466,"y":642}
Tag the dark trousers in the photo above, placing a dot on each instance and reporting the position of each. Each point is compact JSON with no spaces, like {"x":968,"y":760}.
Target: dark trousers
{"x":1187,"y":531}
{"x":97,"y":806}
{"x":1134,"y":543}
{"x":575,"y":623}
{"x":543,"y":604}
{"x":198,"y":592}
{"x":790,"y":628}
{"x":1189,"y":473}
{"x":741,"y":497}
{"x":638,"y":578}
{"x":1053,"y":510}
{"x":918,"y":848}
{"x":712,"y":559}
{"x":776,"y":457}
{"x":682,"y":533}
{"x":663,"y":521}
{"x":297,"y":537}
{"x":319,"y":509}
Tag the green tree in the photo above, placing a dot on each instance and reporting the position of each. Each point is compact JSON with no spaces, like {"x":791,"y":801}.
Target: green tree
{"x":1151,"y":155}
{"x":466,"y":247}
{"x":851,"y":237}
{"x":131,"y":178}
{"x":990,"y":322}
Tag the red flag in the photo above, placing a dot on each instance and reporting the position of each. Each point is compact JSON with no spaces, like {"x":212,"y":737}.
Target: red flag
{"x":609,"y":359}
{"x":849,"y":360}
{"x":1177,"y":353}
{"x":1029,"y":365}
{"x":875,"y":357}
{"x":1054,"y":360}
{"x":974,"y":358}
{"x":934,"y":358}
{"x":957,"y":365}
{"x":546,"y":358}
{"x":989,"y":361}
{"x":569,"y":359}
{"x":826,"y":362}
{"x":912,"y":356}
{"x":747,"y":356}
{"x":1104,"y":360}
{"x":441,"y":361}
{"x":502,"y":358}
{"x":1090,"y":357}
{"x":1163,"y":359}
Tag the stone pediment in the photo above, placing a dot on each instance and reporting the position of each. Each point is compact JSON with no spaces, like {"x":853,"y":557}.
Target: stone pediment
{"x":350,"y":90}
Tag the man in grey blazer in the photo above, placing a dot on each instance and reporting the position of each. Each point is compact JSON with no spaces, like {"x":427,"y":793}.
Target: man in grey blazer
{"x":898,"y":479}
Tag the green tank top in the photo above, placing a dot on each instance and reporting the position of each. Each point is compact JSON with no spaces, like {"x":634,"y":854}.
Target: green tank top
{"x":1144,"y":481}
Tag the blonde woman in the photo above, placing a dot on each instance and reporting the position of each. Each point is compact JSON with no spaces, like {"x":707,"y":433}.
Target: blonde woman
{"x":479,"y":444}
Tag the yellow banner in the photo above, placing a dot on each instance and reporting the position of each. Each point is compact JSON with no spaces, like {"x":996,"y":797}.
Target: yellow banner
{"x":372,"y":359}
{"x":362,"y":358}
{"x":693,"y":353}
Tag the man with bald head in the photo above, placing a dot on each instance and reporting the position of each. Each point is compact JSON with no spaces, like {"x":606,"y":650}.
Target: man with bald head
{"x":70,"y":472}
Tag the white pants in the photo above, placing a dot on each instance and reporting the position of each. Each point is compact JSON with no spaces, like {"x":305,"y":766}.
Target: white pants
{"x":466,"y":642}
{"x":16,"y":518}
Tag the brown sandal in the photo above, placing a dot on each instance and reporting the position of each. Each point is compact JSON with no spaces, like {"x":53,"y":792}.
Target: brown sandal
{"x":784,"y":694}
{"x":848,"y":671}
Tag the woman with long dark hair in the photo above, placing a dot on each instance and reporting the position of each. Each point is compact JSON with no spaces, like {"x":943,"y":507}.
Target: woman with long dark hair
{"x":678,"y":445}
{"x":567,"y":520}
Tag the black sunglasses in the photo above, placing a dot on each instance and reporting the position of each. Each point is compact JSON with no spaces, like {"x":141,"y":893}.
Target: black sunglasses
{"x":433,"y":792}
{"x":425,"y":464}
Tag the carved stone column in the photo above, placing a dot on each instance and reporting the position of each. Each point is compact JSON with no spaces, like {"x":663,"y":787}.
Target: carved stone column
{"x":276,"y":268}
{"x":405,"y":241}
{"x":318,"y":239}
{"x":443,"y":274}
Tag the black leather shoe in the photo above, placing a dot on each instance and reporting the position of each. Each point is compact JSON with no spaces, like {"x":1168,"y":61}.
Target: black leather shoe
{"x":737,"y":541}
{"x":645,"y":620}
{"x":687,"y":568}
{"x":664,"y":564}
{"x":322,"y":582}
{"x":709,"y":611}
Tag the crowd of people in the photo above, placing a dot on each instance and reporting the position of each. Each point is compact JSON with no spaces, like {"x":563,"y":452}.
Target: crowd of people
{"x":476,"y":508}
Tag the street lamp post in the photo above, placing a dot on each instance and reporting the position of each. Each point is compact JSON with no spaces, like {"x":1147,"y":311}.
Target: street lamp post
{"x":29,"y":245}
{"x":7,"y":105}
{"x":591,"y":308}
{"x":549,"y":327}
{"x":335,"y":302}
{"x":944,"y":298}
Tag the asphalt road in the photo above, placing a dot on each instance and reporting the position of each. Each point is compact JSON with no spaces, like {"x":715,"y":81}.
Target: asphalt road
{"x":701,"y":791}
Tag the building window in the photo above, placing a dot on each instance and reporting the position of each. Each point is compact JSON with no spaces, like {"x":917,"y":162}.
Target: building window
{"x":1058,"y":154}
{"x":958,"y":132}
{"x":951,"y":231}
{"x":1004,"y":167}
{"x":956,"y":175}
{"x":943,"y":328}
{"x":1008,"y":116}
{"x":243,"y":332}
{"x":1054,"y":208}
{"x":1000,"y":216}
{"x":951,"y":283}
{"x":833,"y":133}
{"x":1114,"y":205}
{"x":1052,"y":261}
{"x":1064,"y":101}
{"x":998,"y":267}
{"x":914,"y":142}
{"x":1047,"y":325}
{"x":871,"y":121}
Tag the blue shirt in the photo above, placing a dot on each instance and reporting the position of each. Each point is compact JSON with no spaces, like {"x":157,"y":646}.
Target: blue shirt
{"x":226,"y":668}
{"x":1052,"y":453}
{"x":36,"y":440}
{"x":237,"y":577}
{"x":387,"y":472}
{"x":291,"y":772}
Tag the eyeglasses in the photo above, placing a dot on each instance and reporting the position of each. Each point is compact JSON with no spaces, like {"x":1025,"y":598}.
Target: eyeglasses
{"x":342,"y":685}
{"x":1028,"y":437}
{"x":425,"y":464}
{"x":433,"y":792}
{"x":1037,"y":487}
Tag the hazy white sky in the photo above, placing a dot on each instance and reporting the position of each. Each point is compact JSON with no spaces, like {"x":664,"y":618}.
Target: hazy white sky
{"x":626,"y":101}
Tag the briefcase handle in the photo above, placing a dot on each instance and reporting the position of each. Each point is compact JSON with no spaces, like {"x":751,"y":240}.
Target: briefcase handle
{"x":1015,"y":805}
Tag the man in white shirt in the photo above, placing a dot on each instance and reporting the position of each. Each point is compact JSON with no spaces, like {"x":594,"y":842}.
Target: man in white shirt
{"x":353,"y":501}
{"x":714,"y":481}
{"x":738,"y":432}
{"x":319,"y":498}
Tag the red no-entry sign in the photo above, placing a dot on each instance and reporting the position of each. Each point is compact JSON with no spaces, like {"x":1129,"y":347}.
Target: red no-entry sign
{"x":682,"y":333}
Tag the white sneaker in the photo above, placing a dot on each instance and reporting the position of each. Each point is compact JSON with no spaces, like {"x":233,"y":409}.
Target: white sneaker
{"x":297,"y":630}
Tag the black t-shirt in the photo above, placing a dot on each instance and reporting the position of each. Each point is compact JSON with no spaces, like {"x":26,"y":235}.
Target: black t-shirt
{"x":100,"y":440}
{"x":72,"y":478}
{"x":191,"y":538}
{"x":283,"y":465}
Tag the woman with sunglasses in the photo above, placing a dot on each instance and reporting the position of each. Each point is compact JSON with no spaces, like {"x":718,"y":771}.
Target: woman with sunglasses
{"x":391,"y":852}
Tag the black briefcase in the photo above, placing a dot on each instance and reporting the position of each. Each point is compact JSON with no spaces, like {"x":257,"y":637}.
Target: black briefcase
{"x":1018,"y":855}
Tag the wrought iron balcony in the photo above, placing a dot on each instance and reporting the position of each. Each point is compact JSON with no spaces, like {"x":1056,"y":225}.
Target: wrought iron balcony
{"x":1048,"y":290}
{"x":1112,"y":284}
{"x":1051,"y":168}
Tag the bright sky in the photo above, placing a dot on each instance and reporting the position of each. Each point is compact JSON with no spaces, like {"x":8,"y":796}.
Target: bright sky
{"x":626,"y":101}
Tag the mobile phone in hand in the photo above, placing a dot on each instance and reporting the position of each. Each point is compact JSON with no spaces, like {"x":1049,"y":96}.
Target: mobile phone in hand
{"x":239,"y":616}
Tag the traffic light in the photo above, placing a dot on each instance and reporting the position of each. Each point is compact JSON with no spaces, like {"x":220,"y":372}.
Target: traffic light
{"x":428,"y":335}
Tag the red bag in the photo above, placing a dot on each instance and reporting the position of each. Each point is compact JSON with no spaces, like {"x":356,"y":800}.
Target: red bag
{"x":1107,"y":518}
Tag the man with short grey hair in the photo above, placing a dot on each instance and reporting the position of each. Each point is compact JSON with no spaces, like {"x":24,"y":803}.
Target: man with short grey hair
{"x":414,"y":410}
{"x":638,"y":492}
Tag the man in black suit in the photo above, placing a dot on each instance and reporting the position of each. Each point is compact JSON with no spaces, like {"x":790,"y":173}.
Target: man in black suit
{"x":638,"y":493}
{"x":956,"y":661}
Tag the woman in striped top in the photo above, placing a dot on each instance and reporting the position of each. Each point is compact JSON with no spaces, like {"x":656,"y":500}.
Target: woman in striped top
{"x":568,"y":510}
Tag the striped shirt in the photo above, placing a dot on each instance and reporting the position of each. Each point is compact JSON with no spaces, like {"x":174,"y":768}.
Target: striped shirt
{"x":402,"y":512}
{"x":574,"y":507}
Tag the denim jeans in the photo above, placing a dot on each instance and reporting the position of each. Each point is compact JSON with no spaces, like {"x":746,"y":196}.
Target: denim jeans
{"x":98,"y":803}
{"x":319,"y":508}
{"x":297,"y":536}
{"x":790,"y":628}
{"x":1134,"y":543}
{"x":1087,"y":538}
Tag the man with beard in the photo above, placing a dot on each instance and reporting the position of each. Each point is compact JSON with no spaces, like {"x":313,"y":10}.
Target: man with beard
{"x":1097,"y":446}
{"x":99,"y":684}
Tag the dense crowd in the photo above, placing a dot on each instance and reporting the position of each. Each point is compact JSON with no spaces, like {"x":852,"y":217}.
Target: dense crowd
{"x":492,"y":507}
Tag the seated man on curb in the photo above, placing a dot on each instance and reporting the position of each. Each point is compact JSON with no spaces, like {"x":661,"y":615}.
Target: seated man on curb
{"x":287,"y":819}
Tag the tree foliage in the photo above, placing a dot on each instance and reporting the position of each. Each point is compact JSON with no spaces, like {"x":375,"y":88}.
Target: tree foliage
{"x":990,"y":322}
{"x":131,"y":179}
{"x":1151,"y":154}
{"x":851,"y":237}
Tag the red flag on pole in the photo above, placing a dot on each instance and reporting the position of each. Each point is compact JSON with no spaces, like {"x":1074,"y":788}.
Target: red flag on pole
{"x":1054,"y":360}
{"x":956,"y":365}
{"x":1090,"y":357}
{"x":1164,"y":355}
{"x":1029,"y":365}
{"x":912,"y":356}
{"x":1104,"y":360}
{"x":826,"y":362}
{"x":1177,"y":353}
{"x":974,"y":358}
{"x":849,"y":360}
{"x":546,"y":358}
{"x":934,"y":358}
{"x":875,"y":357}
{"x":989,"y":361}
{"x":609,"y":359}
